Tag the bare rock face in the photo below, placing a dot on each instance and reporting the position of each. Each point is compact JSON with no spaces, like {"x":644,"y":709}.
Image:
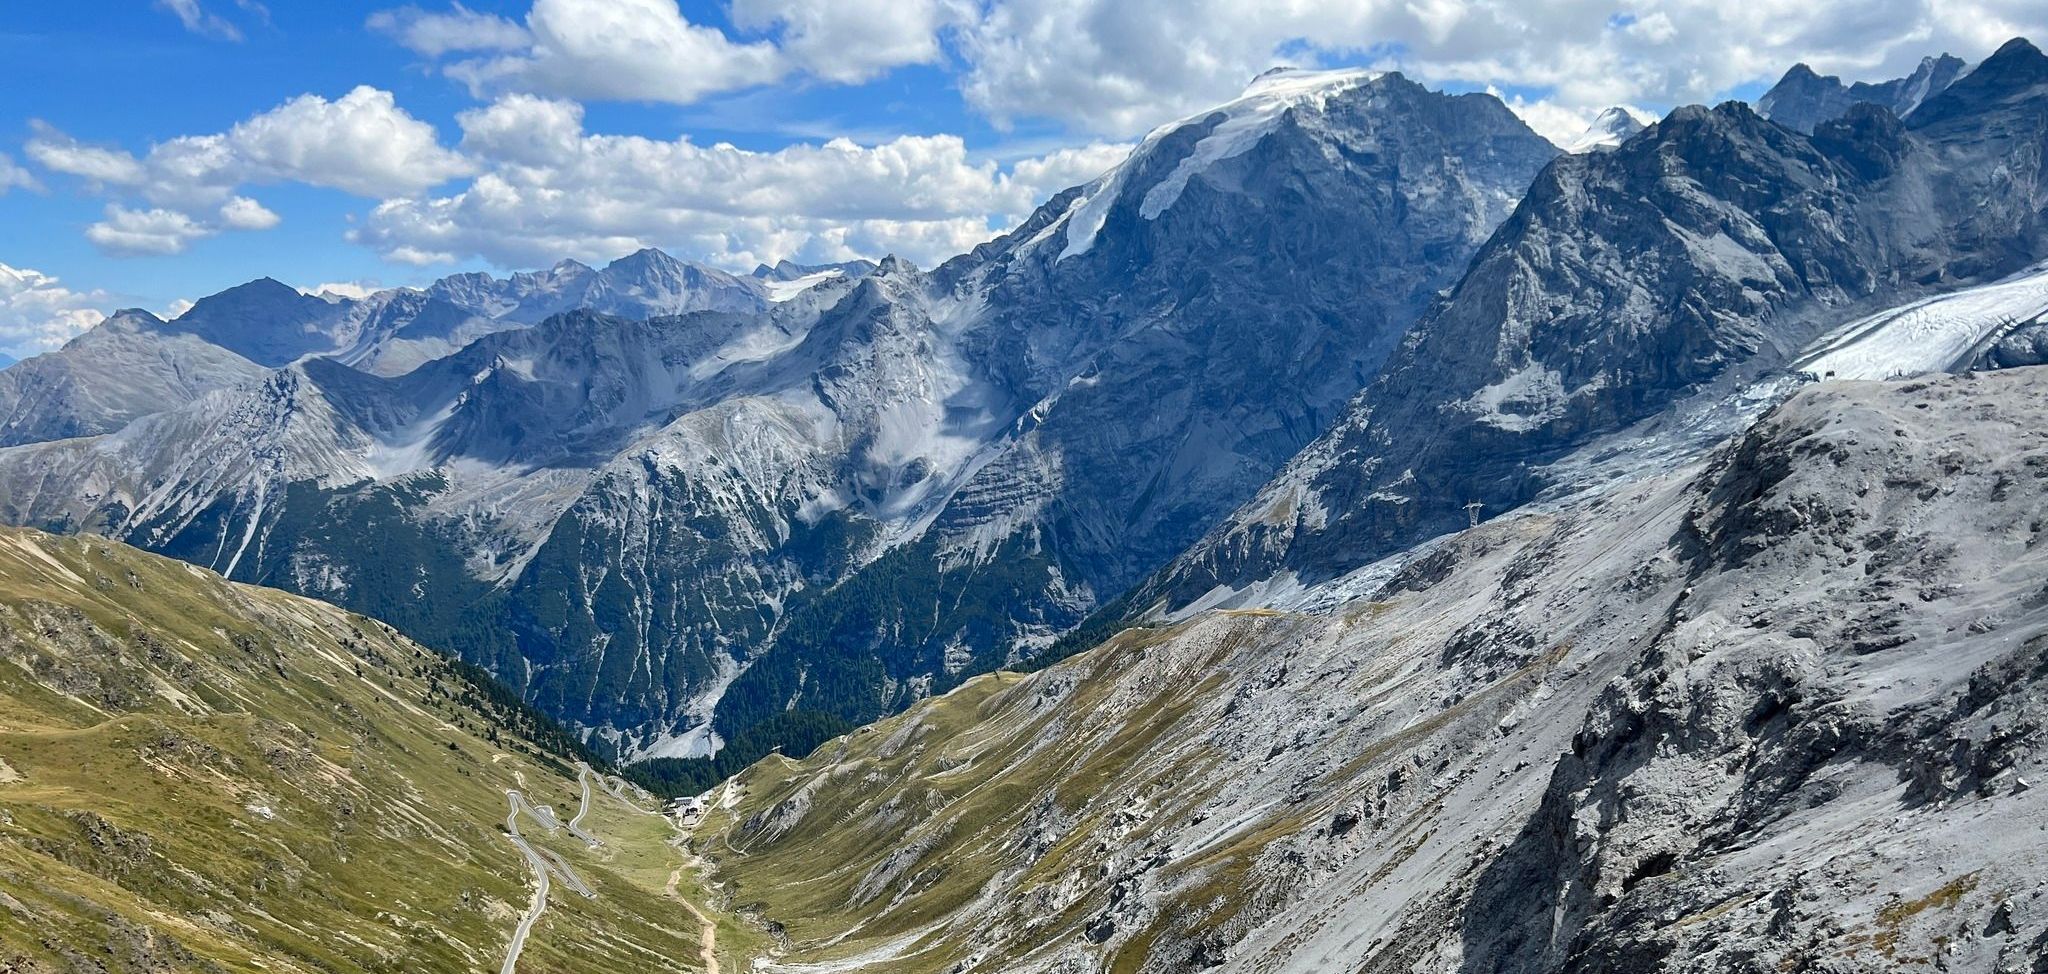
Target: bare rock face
{"x":1826,"y":748}
{"x":1780,"y":710}
{"x":1165,"y":338}
{"x":123,"y":369}
{"x":1802,"y":100}
{"x":1704,"y":251}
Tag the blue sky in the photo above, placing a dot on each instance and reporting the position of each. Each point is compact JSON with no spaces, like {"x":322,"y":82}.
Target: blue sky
{"x":122,"y":73}
{"x":154,"y":151}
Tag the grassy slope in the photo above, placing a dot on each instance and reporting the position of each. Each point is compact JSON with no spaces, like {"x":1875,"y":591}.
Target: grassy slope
{"x":924,"y":809}
{"x":198,"y":775}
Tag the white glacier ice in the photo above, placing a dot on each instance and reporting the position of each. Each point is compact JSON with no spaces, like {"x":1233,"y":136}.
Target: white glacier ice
{"x":1931,"y":334}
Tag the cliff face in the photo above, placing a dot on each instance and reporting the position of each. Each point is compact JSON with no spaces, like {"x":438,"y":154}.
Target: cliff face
{"x":1705,"y":251}
{"x":1803,"y":100}
{"x":1778,"y":710}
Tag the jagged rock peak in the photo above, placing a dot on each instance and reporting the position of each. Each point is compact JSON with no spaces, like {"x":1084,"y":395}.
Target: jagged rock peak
{"x":1804,"y":99}
{"x":893,"y":264}
{"x":2017,"y":71}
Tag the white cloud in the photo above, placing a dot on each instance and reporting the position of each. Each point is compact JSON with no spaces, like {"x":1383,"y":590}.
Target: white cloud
{"x":850,"y":42}
{"x":13,"y":176}
{"x":55,"y":151}
{"x":630,"y":50}
{"x":177,"y":307}
{"x":1120,"y":67}
{"x":1038,"y":178}
{"x":357,"y":290}
{"x":553,"y":190}
{"x":153,"y":232}
{"x":243,"y":213}
{"x":197,"y":20}
{"x":37,"y":313}
{"x":1559,"y":124}
{"x":648,"y":50}
{"x":524,"y":129}
{"x":1123,"y":66}
{"x":361,"y":143}
{"x":460,"y":29}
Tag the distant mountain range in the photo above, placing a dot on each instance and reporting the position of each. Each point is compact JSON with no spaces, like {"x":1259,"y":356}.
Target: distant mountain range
{"x":1353,"y":533}
{"x":701,"y":514}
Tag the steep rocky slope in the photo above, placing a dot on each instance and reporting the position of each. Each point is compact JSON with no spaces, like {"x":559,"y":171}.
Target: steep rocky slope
{"x":203,"y":776}
{"x":678,"y":530}
{"x":1686,"y":263}
{"x":1802,"y":100}
{"x":134,"y":364}
{"x":1777,"y":711}
{"x":123,"y":369}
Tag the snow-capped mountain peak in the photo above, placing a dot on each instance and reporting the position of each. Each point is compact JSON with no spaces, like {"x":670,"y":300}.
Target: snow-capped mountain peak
{"x":1231,"y":130}
{"x":1609,"y":129}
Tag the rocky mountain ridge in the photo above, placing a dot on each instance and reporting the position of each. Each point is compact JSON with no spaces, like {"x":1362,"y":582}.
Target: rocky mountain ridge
{"x":1745,"y":240}
{"x":869,"y":483}
{"x":1803,"y":99}
{"x":1774,"y":710}
{"x":897,"y":478}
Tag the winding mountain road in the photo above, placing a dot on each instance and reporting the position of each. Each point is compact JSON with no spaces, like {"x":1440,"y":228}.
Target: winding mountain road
{"x":547,"y":862}
{"x":540,"y":893}
{"x":576,"y":821}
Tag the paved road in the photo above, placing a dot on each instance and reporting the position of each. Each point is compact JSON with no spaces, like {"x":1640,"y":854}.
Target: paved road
{"x":542,"y":867}
{"x":550,"y":863}
{"x":540,"y":893}
{"x":576,"y":821}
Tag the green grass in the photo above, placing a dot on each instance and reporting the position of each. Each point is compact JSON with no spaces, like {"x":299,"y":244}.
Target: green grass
{"x":962,"y":776}
{"x":213,"y":777}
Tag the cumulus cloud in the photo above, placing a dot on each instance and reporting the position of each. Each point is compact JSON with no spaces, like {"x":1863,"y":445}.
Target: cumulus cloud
{"x":243,"y":213}
{"x":1037,"y":178}
{"x":457,"y":30}
{"x":850,"y":42}
{"x":55,"y":151}
{"x":554,"y":190}
{"x":1122,"y":66}
{"x":356,"y":290}
{"x":649,"y":50}
{"x":154,"y":232}
{"x":38,"y":313}
{"x":630,"y":50}
{"x":360,"y":143}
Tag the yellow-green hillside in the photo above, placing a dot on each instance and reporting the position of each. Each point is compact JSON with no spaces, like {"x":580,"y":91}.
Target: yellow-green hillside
{"x":202,"y":776}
